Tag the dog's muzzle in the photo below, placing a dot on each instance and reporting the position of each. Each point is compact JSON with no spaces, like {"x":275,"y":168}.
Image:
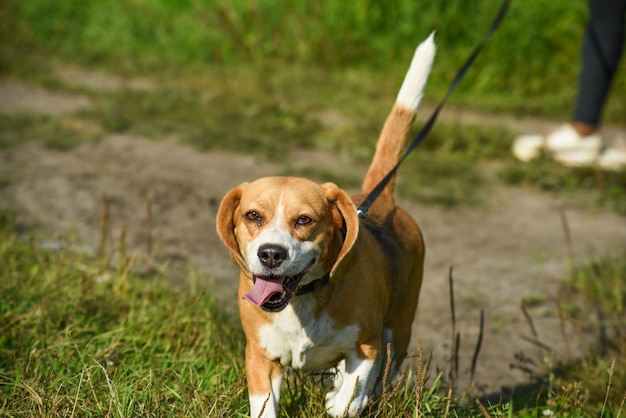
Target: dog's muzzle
{"x":273,"y":293}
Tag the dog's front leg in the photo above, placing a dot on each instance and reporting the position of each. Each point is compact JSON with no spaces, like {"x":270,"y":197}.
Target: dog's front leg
{"x":264,"y":379}
{"x":353,"y":383}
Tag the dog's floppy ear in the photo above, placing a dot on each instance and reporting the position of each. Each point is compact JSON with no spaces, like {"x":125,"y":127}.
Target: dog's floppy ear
{"x":344,"y":217}
{"x":226,"y":222}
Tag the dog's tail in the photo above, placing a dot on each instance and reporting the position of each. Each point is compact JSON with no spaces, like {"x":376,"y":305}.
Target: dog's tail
{"x":393,"y":136}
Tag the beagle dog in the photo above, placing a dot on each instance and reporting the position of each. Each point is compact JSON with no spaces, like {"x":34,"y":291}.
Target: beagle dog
{"x":319,"y":287}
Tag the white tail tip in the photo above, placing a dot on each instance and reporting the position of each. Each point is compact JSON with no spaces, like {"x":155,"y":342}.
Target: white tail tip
{"x":412,"y":89}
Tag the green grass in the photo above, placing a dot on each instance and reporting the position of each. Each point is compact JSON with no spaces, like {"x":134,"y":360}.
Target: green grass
{"x":596,"y":291}
{"x":536,"y":49}
{"x":603,"y":188}
{"x":73,"y":342}
{"x":53,"y":133}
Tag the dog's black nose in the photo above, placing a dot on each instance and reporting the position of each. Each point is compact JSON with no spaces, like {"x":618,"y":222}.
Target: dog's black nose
{"x":272,"y":256}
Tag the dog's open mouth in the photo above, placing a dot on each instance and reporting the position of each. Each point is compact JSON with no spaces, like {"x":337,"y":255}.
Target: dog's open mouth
{"x":273,"y":293}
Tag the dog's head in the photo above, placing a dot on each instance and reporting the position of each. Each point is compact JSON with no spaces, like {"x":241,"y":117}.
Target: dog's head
{"x":285,"y":232}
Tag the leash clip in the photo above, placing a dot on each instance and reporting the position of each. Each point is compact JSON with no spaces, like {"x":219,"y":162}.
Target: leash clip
{"x":361,"y":213}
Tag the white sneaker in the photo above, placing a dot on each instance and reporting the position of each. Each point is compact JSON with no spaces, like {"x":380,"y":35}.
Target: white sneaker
{"x":613,"y":158}
{"x":564,"y":145}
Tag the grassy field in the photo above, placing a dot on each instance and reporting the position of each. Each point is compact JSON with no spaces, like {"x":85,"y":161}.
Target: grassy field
{"x":82,"y":335}
{"x":530,"y":66}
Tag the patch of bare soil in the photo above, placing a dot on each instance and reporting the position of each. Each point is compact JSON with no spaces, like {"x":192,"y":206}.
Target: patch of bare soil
{"x":512,"y":248}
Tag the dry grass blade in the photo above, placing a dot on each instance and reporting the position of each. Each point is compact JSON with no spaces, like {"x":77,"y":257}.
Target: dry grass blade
{"x":386,"y":394}
{"x":353,"y":397}
{"x":454,"y":371}
{"x":396,"y":387}
{"x":105,"y":224}
{"x":264,"y":405}
{"x":563,"y":332}
{"x":80,"y":383}
{"x":419,"y":384}
{"x":113,"y":393}
{"x":566,"y":232}
{"x":483,"y":409}
{"x":583,"y":337}
{"x":608,"y":387}
{"x":34,"y":395}
{"x":529,"y":319}
{"x":448,"y":403}
{"x":149,"y":226}
{"x":451,"y":289}
{"x":479,"y":344}
{"x":538,"y":344}
{"x":456,"y":337}
{"x":621,"y":406}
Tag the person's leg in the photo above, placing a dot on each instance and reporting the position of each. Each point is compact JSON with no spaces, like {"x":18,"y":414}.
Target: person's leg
{"x":601,"y":52}
{"x":579,"y":142}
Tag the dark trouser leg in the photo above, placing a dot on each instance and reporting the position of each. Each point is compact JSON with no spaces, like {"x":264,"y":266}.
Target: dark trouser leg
{"x":602,"y":49}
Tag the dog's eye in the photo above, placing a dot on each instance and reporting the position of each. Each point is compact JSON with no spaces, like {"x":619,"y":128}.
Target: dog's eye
{"x":254,"y":217}
{"x":303,"y":220}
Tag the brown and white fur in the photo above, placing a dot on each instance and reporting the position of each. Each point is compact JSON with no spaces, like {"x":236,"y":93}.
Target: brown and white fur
{"x":362,"y":276}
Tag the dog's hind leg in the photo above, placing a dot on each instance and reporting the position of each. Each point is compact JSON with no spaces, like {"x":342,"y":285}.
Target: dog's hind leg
{"x":402,"y":322}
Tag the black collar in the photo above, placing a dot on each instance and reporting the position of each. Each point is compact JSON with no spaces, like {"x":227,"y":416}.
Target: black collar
{"x":313,"y":286}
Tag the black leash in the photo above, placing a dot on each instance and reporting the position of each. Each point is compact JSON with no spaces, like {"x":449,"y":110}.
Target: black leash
{"x":369,"y":200}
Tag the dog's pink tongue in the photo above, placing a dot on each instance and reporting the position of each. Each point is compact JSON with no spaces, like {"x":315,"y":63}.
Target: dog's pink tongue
{"x":262,"y":290}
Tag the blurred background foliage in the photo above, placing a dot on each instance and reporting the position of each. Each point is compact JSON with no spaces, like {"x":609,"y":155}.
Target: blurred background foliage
{"x":533,"y":59}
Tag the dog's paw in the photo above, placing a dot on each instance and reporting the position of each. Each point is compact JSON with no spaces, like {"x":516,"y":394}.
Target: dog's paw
{"x":330,"y":396}
{"x":341,"y":406}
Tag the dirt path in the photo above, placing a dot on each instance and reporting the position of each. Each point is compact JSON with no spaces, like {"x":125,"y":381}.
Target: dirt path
{"x":511,"y":249}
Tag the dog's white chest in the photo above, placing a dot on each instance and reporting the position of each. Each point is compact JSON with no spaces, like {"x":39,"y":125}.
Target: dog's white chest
{"x":303,"y":342}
